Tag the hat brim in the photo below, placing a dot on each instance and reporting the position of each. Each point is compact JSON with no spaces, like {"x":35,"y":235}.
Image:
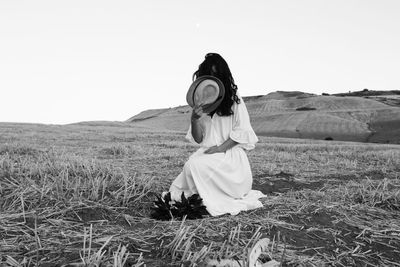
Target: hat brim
{"x":209,"y":107}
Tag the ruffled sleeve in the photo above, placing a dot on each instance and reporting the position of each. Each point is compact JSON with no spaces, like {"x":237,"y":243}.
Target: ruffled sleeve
{"x":242,"y":132}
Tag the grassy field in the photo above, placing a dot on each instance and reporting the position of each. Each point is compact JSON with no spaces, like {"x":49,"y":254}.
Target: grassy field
{"x":82,"y":195}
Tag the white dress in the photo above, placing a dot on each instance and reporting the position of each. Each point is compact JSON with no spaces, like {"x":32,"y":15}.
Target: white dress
{"x":223,"y":180}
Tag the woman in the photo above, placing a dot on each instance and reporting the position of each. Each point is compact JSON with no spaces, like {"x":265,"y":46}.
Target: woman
{"x":219,"y":170}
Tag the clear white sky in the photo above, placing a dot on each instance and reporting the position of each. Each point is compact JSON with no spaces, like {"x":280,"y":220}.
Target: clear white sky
{"x":76,"y":60}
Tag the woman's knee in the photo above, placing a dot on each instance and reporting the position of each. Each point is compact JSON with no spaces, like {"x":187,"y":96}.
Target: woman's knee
{"x":193,"y":162}
{"x":188,"y":165}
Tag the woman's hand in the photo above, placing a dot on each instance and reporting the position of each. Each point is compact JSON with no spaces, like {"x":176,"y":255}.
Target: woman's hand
{"x":225,"y":146}
{"x":197,"y":112}
{"x":213,"y":149}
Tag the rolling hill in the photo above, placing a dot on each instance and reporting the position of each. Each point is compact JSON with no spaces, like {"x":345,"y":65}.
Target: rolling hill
{"x":364,"y":118}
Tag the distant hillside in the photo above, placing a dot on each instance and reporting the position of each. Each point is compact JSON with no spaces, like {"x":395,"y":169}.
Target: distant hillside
{"x":367,"y":92}
{"x":302,"y":115}
{"x":390,"y":97}
{"x":147,"y":114}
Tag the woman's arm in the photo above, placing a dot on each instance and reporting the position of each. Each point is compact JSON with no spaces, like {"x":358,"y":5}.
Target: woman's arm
{"x":228,"y":144}
{"x":197,"y":131}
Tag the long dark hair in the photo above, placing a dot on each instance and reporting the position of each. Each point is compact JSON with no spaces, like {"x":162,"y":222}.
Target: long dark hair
{"x":216,"y":66}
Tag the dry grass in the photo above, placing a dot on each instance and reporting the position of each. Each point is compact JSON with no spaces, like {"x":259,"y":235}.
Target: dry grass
{"x":81,"y":195}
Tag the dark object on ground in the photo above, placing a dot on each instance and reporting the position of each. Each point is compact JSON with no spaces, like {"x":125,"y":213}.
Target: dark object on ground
{"x":283,"y":174}
{"x":328,"y":138}
{"x":191,"y":207}
{"x":305,"y":108}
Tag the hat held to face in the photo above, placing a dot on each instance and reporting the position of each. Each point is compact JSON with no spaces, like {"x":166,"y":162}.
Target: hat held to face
{"x":206,"y":91}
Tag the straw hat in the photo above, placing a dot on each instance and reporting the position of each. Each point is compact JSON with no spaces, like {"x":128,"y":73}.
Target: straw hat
{"x":206,"y":91}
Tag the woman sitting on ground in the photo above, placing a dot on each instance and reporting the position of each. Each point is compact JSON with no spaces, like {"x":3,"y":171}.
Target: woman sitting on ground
{"x":219,"y":171}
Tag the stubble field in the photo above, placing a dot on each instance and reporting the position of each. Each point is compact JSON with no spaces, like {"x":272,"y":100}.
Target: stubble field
{"x":81,"y":195}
